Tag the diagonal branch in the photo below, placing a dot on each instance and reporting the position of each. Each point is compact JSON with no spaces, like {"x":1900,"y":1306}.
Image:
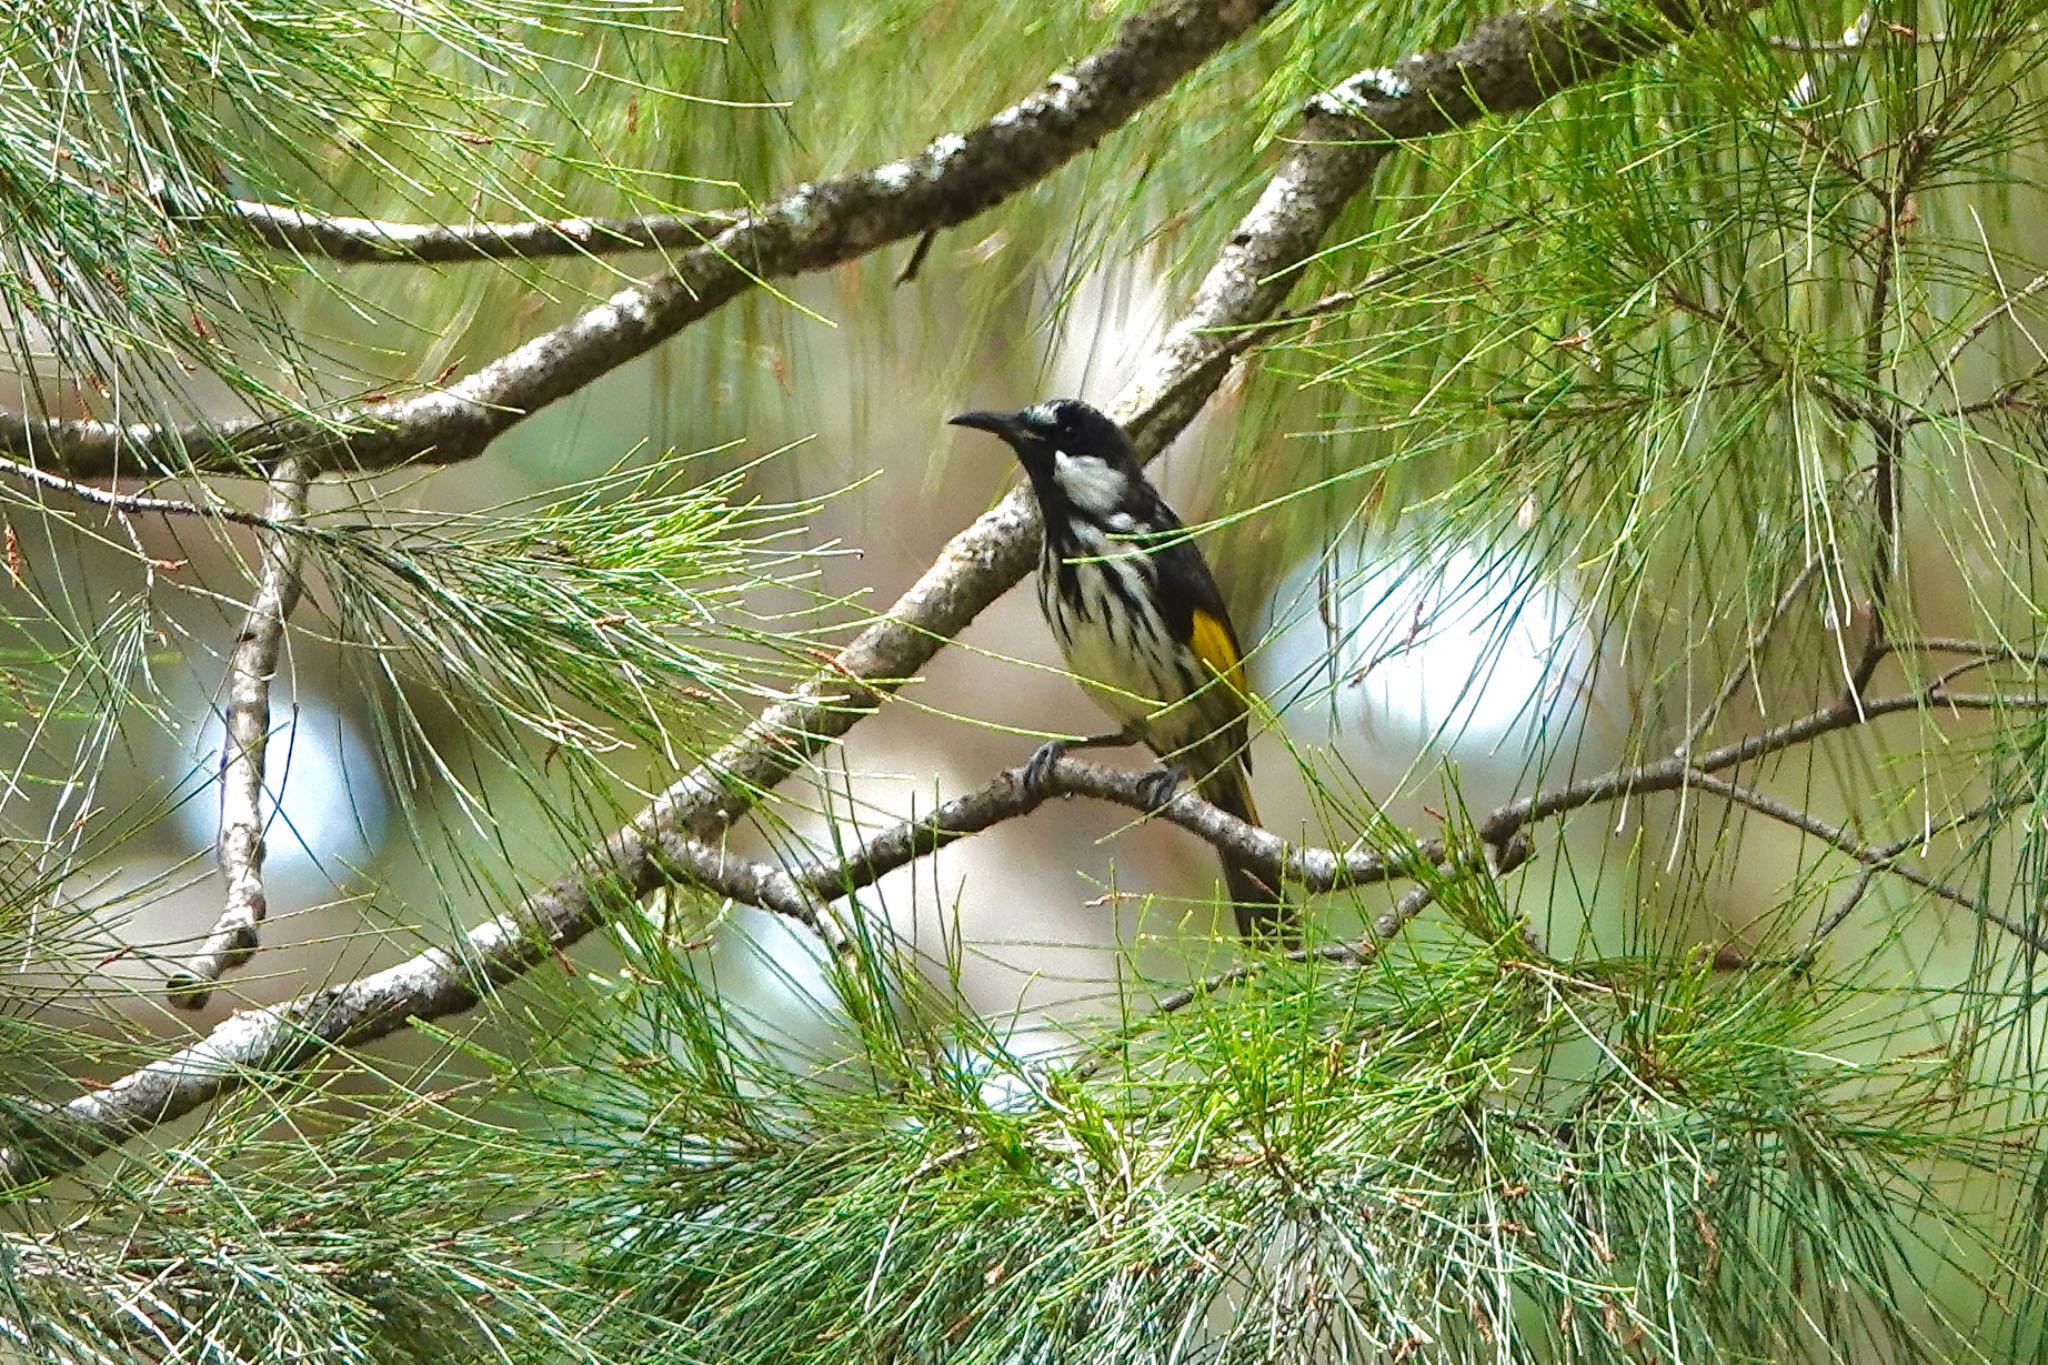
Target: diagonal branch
{"x":1874,"y":858}
{"x":1747,"y":663}
{"x":1506,"y":64}
{"x":811,"y":228}
{"x":245,"y":744}
{"x":1880,"y":858}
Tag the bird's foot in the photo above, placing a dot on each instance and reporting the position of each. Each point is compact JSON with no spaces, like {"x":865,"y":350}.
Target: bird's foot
{"x":1161,"y":784}
{"x":1038,"y":768}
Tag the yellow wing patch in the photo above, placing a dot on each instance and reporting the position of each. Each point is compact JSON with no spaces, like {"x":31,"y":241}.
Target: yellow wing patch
{"x":1210,"y":638}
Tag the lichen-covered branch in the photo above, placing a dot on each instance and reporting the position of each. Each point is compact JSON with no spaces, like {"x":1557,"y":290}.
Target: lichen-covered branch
{"x":245,"y":744}
{"x":811,"y":228}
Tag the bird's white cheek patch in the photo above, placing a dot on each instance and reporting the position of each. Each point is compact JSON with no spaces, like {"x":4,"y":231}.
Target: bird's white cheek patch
{"x":1088,"y":483}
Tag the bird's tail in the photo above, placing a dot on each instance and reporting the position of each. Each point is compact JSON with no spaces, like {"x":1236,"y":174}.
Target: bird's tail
{"x":1262,"y":911}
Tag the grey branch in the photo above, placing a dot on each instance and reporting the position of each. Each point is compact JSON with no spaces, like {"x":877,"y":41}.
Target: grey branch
{"x":1745,"y":665}
{"x":245,"y":744}
{"x":257,"y":1045}
{"x":811,"y":228}
{"x":1243,"y":289}
{"x":801,"y":890}
{"x":1876,"y":859}
{"x":130,"y":503}
{"x":1872,"y":857}
{"x":1007,"y":796}
{"x":374,"y":241}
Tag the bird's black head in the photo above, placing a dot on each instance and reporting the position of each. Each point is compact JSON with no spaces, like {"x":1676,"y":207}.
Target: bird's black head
{"x":1071,"y":451}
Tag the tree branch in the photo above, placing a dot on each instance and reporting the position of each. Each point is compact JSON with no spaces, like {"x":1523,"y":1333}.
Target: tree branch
{"x":1877,"y":859}
{"x":253,"y":1046}
{"x":245,"y":745}
{"x":376,"y":241}
{"x":1757,"y":644}
{"x":1007,"y":796}
{"x":131,"y":503}
{"x":1506,"y":64}
{"x":1944,"y":373}
{"x":811,"y":228}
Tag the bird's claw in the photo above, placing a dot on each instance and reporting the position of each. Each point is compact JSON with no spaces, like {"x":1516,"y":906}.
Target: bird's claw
{"x":1160,"y":786}
{"x":1038,"y":768}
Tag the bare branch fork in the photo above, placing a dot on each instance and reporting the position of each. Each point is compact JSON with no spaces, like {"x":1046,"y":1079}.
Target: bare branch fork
{"x":1508,"y":64}
{"x":245,"y":743}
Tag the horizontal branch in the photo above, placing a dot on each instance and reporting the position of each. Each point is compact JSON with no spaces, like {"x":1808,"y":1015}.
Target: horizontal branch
{"x":132,"y":503}
{"x":800,"y":890}
{"x":1008,"y":796}
{"x":813,"y":227}
{"x":377,"y":241}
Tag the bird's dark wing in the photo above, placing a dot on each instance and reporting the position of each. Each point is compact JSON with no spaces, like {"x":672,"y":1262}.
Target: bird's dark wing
{"x":1196,"y":614}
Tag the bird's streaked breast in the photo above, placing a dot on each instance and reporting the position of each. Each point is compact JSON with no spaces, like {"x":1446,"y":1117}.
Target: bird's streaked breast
{"x":1110,"y":632}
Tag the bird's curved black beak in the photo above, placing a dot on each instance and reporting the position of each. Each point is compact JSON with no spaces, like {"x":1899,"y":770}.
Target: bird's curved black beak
{"x":1003,"y":424}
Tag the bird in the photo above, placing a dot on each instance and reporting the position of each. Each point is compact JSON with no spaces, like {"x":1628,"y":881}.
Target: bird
{"x":1139,"y":618}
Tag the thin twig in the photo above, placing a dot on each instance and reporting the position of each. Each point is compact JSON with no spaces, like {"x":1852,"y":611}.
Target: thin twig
{"x":2005,"y":398}
{"x":1944,"y":373}
{"x":1757,"y":644}
{"x":133,"y":502}
{"x":1671,"y":774}
{"x":1881,"y":860}
{"x":1992,"y":651}
{"x":1872,"y":857}
{"x":245,"y":745}
{"x":379,"y":241}
{"x":917,"y":255}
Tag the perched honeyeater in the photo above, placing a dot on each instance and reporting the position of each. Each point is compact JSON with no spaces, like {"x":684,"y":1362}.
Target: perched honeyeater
{"x":1138,"y":616}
